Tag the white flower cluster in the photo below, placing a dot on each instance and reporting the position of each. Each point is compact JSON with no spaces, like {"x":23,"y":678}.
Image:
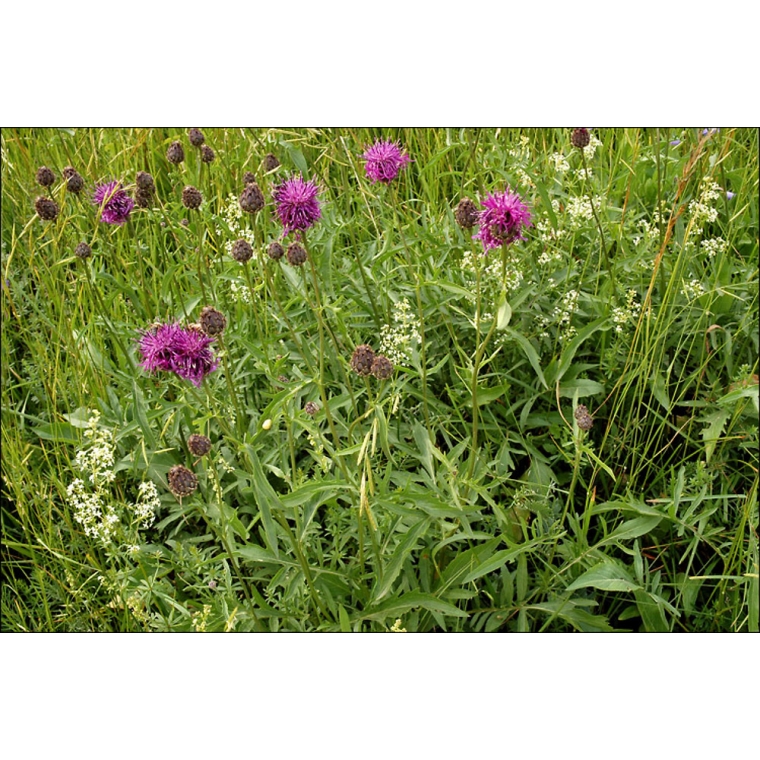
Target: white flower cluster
{"x":564,"y":313}
{"x":714,"y":246}
{"x":550,"y":256}
{"x":701,"y":210}
{"x":559,"y":162}
{"x":692,"y":289}
{"x":492,"y":272}
{"x":580,"y":211}
{"x":582,"y":173}
{"x":232,"y":215}
{"x":97,"y":460}
{"x":590,"y":149}
{"x":98,"y":519}
{"x":396,"y":627}
{"x":399,"y":339}
{"x":623,"y":315}
{"x":240,"y":291}
{"x":147,"y":503}
{"x":524,"y":178}
{"x":520,"y":150}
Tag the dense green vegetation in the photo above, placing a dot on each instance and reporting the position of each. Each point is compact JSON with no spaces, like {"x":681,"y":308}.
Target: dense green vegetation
{"x":470,"y":490}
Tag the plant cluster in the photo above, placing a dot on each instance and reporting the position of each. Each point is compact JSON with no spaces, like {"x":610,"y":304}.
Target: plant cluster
{"x":364,"y":380}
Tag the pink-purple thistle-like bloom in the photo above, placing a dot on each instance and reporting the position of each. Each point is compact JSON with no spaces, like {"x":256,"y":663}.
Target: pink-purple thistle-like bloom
{"x":384,"y":161}
{"x":115,"y":204}
{"x":173,"y":348}
{"x":297,"y":204}
{"x":503,"y":220}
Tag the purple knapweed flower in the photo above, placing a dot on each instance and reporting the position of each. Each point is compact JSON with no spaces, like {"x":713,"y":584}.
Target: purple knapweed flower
{"x":503,"y":220}
{"x":384,"y":161}
{"x":297,"y":204}
{"x":115,"y":204}
{"x":173,"y":348}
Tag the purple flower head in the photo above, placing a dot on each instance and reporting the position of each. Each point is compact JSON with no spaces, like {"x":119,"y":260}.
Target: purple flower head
{"x":730,"y":195}
{"x":297,"y":204}
{"x":503,"y":220}
{"x":384,"y":161}
{"x":674,"y":143}
{"x":116,"y":205}
{"x":173,"y":348}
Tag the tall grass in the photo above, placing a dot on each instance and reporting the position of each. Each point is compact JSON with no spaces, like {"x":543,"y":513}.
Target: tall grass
{"x":461,"y":494}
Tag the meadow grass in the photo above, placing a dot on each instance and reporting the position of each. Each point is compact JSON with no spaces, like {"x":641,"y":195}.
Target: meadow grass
{"x":462,"y":494}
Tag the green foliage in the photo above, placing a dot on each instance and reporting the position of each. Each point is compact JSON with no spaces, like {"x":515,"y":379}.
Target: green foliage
{"x":460,"y":495}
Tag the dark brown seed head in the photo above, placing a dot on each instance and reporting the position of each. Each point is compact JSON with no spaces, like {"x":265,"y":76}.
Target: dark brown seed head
{"x":196,"y":137}
{"x":311,"y":408}
{"x":145,"y":182}
{"x":270,"y":162}
{"x":361,"y":360}
{"x":191,"y":197}
{"x":182,"y":482}
{"x":466,"y":214}
{"x":212,"y":321}
{"x":45,"y":176}
{"x":252,"y":199}
{"x":580,"y":137}
{"x":144,"y":198}
{"x":207,"y":154}
{"x":175,"y":153}
{"x":199,"y":445}
{"x":68,"y":171}
{"x":74,"y":183}
{"x":242,"y":251}
{"x":584,"y":419}
{"x":275,"y":251}
{"x":382,"y":367}
{"x":83,"y":251}
{"x":248,"y":178}
{"x":46,"y":209}
{"x":296,"y":254}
